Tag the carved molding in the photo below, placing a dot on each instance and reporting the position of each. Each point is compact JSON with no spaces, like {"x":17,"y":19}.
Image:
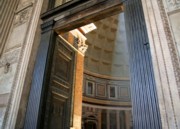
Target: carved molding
{"x":10,"y":57}
{"x":101,"y":88}
{"x":23,"y":13}
{"x":22,"y":17}
{"x":173,"y":4}
{"x":24,"y":5}
{"x":106,"y":81}
{"x":46,"y":26}
{"x":166,"y":62}
{"x":82,"y":47}
{"x":79,"y":41}
{"x":23,"y":62}
{"x":171,"y":44}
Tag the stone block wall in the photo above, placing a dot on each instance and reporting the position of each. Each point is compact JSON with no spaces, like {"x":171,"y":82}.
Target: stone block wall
{"x":15,"y":57}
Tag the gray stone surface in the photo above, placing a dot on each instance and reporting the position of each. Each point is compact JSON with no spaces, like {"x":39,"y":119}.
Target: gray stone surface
{"x":4,"y":99}
{"x":2,"y":113}
{"x":10,"y":57}
{"x":172,"y":8}
{"x":6,"y":79}
{"x":22,"y":36}
{"x":17,"y":37}
{"x":175,"y":23}
{"x":172,"y":4}
{"x":165,"y":62}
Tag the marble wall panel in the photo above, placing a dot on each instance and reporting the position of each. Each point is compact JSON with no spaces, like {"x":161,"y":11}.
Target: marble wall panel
{"x":17,"y":37}
{"x":6,"y":79}
{"x":2,"y":112}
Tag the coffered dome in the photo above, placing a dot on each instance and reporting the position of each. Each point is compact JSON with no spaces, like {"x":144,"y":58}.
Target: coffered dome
{"x":107,"y":52}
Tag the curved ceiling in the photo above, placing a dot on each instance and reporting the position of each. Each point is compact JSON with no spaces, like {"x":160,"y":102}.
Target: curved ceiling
{"x":107,"y":53}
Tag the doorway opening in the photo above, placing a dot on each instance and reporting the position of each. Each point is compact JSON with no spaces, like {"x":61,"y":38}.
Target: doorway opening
{"x":106,"y":102}
{"x":98,"y":83}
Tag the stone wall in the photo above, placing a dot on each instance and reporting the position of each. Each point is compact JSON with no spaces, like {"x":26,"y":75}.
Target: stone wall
{"x":15,"y":59}
{"x":7,"y":60}
{"x":172,"y":8}
{"x":7,"y":10}
{"x":165,"y":61}
{"x":102,"y":88}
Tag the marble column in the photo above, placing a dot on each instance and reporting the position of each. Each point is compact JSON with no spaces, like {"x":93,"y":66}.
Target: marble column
{"x":99,"y":118}
{"x":108,"y":119}
{"x":127,"y":119}
{"x":117,"y":119}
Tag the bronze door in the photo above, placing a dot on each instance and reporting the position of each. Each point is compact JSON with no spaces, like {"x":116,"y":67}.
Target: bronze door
{"x":58,"y":105}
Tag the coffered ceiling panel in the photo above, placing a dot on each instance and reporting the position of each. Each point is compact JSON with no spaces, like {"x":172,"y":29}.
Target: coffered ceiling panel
{"x":107,"y":52}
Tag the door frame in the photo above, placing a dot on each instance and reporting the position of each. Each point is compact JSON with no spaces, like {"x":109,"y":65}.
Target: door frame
{"x":81,"y":13}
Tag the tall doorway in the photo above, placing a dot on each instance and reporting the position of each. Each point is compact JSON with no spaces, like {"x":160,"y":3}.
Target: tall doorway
{"x":143,"y":90}
{"x":106,"y":102}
